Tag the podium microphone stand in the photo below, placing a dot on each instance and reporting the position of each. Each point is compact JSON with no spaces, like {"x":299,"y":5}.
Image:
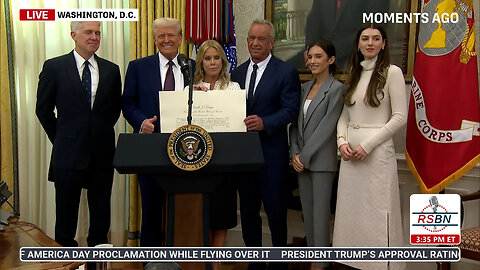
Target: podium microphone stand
{"x":235,"y":154}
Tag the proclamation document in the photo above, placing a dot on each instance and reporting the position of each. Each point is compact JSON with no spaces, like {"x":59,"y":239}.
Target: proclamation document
{"x":215,"y":111}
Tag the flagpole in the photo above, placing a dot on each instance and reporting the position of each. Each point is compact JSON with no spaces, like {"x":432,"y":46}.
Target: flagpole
{"x":413,"y":34}
{"x":476,"y":12}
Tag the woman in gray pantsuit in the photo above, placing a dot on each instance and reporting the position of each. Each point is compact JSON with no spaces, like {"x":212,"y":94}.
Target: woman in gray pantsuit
{"x":313,"y":147}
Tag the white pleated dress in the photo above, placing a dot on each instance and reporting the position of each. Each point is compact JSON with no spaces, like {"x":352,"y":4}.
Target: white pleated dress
{"x":368,"y":202}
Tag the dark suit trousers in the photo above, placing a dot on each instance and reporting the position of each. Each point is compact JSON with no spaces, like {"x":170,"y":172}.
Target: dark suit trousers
{"x":68,"y":188}
{"x":153,"y":201}
{"x":270,"y":186}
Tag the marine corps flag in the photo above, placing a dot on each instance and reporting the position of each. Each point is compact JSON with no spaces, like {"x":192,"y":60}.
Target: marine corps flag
{"x":443,"y":129}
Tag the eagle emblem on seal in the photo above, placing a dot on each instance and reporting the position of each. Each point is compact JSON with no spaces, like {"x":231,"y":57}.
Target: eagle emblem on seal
{"x":190,"y":147}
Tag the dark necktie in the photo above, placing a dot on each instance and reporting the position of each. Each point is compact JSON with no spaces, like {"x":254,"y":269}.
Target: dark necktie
{"x":253,"y":78}
{"x":87,"y":81}
{"x":169,"y":79}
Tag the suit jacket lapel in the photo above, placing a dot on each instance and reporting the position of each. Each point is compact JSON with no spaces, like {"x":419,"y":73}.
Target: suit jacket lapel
{"x":99,"y":94}
{"x":242,"y":70}
{"x":73,"y":71}
{"x":305,"y":89}
{"x":267,"y":76}
{"x":157,"y":79}
{"x":319,"y":97}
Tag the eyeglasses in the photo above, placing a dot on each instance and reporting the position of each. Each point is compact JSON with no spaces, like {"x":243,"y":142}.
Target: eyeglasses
{"x":170,"y":36}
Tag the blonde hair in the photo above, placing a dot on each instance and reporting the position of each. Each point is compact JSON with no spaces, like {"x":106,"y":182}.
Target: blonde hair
{"x":199,"y":70}
{"x":165,"y":21}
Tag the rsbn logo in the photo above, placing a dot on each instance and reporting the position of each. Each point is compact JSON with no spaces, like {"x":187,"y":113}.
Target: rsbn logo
{"x":435,"y":219}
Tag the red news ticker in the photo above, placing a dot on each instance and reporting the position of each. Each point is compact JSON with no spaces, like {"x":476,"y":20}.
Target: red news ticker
{"x":35,"y":14}
{"x":435,"y":239}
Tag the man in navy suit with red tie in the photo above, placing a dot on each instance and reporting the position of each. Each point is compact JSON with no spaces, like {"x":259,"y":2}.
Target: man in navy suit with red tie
{"x":272,"y":102}
{"x":140,"y":104}
{"x":86,"y":92}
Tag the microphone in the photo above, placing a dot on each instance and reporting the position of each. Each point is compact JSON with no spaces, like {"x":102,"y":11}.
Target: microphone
{"x":434,"y":205}
{"x":183,"y":62}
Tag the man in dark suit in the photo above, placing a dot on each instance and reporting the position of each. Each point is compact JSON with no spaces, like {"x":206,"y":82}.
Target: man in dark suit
{"x":86,"y":92}
{"x":140,"y":104}
{"x":272,"y":102}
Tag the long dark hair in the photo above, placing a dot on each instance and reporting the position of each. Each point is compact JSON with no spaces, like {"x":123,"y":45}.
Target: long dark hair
{"x":329,"y":49}
{"x":379,"y":75}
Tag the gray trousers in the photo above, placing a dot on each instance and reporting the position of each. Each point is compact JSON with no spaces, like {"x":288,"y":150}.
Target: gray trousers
{"x":315,"y":193}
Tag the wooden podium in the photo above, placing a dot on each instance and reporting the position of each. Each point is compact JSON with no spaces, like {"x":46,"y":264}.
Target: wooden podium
{"x":234,"y":153}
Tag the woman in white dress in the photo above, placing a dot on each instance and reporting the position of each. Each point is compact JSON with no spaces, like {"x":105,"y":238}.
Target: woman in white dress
{"x":368,"y":202}
{"x":211,"y":74}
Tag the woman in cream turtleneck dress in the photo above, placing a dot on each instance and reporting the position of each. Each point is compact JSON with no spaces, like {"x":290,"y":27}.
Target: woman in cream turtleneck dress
{"x":368,"y":203}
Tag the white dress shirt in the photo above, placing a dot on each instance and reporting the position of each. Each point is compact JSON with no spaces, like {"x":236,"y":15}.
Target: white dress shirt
{"x":261,"y":68}
{"x":177,"y":73}
{"x":93,"y":72}
{"x":305,"y":107}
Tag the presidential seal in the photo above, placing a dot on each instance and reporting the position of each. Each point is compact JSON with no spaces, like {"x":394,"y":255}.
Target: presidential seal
{"x":190,"y":147}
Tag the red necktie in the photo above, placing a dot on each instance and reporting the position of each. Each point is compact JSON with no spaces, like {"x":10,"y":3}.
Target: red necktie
{"x":339,"y":3}
{"x":169,"y":79}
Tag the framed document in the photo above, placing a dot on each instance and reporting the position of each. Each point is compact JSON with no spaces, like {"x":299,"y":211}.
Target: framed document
{"x":215,"y":111}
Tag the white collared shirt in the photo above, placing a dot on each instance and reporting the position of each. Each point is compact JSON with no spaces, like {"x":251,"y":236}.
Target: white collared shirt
{"x":177,"y":73}
{"x":261,"y":68}
{"x":93,"y":72}
{"x":305,"y":107}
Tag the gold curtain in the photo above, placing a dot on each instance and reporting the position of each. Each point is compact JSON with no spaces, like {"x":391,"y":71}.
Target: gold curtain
{"x":141,"y":40}
{"x":142,"y":45}
{"x":7,"y":102}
